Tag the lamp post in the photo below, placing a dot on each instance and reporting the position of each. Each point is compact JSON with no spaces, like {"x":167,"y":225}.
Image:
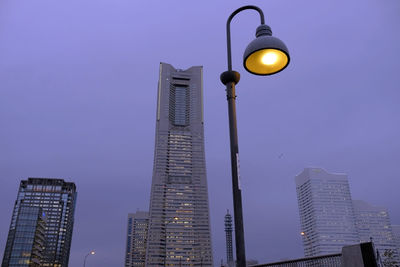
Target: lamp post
{"x":265,"y":55}
{"x":303,"y":234}
{"x":90,"y":253}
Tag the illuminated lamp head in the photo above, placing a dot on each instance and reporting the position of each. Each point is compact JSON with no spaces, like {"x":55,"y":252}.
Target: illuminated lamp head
{"x":265,"y":55}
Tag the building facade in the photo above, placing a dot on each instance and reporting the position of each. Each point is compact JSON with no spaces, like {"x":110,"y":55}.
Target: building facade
{"x":396,"y":233}
{"x":179,"y":226}
{"x":136,"y":239}
{"x":228,"y":236}
{"x":56,"y":198}
{"x":326,"y":212}
{"x":373,"y":223}
{"x":25,"y":241}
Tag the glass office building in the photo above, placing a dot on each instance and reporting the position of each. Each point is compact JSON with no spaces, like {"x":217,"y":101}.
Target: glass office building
{"x":136,"y":241}
{"x":26,"y":240}
{"x":56,"y":198}
{"x":179,"y":227}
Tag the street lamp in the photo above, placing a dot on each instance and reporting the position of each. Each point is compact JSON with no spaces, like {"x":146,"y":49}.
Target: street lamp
{"x":308,"y":242}
{"x":265,"y":55}
{"x":90,"y":253}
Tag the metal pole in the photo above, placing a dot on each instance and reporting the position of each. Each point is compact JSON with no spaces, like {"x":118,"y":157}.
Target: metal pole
{"x":237,"y":194}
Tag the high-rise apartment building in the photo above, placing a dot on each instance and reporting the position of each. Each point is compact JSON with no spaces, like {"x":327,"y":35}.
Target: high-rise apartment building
{"x":136,"y":239}
{"x":25,"y":241}
{"x":373,"y":222}
{"x":228,"y":235}
{"x":326,"y":212}
{"x":56,"y":198}
{"x":179,"y":227}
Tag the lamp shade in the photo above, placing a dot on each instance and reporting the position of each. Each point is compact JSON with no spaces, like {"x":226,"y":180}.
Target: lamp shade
{"x":265,"y":55}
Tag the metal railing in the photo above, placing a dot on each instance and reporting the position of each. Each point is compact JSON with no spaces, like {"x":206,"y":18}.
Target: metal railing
{"x":332,"y":260}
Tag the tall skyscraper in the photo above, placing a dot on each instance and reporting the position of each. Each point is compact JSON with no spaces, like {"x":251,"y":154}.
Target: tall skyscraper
{"x":326,"y":212}
{"x":374,"y":223}
{"x":57,"y":199}
{"x":179,"y":227}
{"x":228,"y":234}
{"x":26,"y":241}
{"x":136,"y":239}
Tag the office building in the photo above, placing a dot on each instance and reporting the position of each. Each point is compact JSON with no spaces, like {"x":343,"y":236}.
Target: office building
{"x":228,"y":235}
{"x":396,"y":233}
{"x":25,"y":241}
{"x":179,"y":227}
{"x":136,"y":239}
{"x":326,"y":212}
{"x":373,"y":223}
{"x":57,"y":199}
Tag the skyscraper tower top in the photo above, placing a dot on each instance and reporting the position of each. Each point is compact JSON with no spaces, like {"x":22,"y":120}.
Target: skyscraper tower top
{"x":48,"y":184}
{"x":318,"y":173}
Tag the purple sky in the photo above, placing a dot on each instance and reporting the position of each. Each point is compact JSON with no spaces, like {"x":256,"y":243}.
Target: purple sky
{"x":78,"y":82}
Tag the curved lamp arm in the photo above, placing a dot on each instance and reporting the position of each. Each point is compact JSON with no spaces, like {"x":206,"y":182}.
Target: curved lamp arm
{"x":90,"y":253}
{"x":228,"y":29}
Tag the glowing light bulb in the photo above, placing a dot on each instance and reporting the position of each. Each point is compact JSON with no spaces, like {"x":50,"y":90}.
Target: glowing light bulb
{"x":269,"y":58}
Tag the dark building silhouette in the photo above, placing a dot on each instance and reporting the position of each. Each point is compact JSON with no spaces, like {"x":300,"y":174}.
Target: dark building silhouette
{"x":56,"y":198}
{"x":228,"y":234}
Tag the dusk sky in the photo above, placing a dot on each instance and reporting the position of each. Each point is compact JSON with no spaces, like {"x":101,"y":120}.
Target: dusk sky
{"x":78,"y":91}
